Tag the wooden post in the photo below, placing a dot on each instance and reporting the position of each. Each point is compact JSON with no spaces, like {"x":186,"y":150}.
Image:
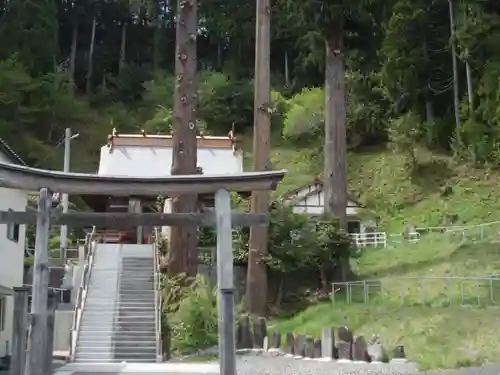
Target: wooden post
{"x":256,"y":286}
{"x":20,"y":328}
{"x":335,"y":147}
{"x":51,"y":311}
{"x":38,"y":318}
{"x":225,"y":281}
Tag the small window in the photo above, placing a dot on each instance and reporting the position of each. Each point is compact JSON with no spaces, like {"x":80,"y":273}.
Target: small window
{"x":13,"y":231}
{"x":3,"y":302}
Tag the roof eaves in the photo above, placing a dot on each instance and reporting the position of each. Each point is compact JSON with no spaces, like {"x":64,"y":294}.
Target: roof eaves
{"x":4,"y":146}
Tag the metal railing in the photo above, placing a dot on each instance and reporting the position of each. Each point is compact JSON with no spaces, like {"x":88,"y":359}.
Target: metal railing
{"x":158,"y":295}
{"x":420,"y":290}
{"x":89,"y":247}
{"x":59,"y":293}
{"x":487,"y":232}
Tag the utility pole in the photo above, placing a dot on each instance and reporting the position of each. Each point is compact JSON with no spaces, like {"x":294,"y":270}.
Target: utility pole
{"x":256,"y":286}
{"x":65,"y":199}
{"x":183,"y":257}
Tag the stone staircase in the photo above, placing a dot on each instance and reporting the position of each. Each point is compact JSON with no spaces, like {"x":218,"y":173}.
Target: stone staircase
{"x":118,"y":320}
{"x":135,"y":330}
{"x":95,"y":337}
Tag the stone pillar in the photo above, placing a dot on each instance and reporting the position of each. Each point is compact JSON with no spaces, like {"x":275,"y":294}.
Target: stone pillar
{"x":20,"y":328}
{"x":135,"y":206}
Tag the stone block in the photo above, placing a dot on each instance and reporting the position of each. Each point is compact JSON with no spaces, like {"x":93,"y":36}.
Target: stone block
{"x":344,"y":343}
{"x":399,"y":352}
{"x":259,"y":332}
{"x":275,"y":342}
{"x":244,"y":333}
{"x":317,"y":348}
{"x":300,"y":346}
{"x":309,"y":352}
{"x":327,"y":343}
{"x":359,"y":350}
{"x":290,"y":343}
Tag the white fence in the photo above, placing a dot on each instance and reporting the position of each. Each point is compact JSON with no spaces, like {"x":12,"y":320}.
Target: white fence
{"x":376,"y":239}
{"x":487,"y":232}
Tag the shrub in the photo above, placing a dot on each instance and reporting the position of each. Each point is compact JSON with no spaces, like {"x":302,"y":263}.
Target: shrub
{"x":189,"y":314}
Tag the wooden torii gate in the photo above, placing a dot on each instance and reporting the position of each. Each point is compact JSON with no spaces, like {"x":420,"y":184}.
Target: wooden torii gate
{"x":47,"y":182}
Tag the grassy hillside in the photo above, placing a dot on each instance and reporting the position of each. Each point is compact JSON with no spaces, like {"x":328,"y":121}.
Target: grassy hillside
{"x":437,"y":334}
{"x":436,"y":191}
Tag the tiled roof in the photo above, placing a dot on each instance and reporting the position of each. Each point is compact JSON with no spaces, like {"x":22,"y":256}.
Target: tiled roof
{"x":7,"y":150}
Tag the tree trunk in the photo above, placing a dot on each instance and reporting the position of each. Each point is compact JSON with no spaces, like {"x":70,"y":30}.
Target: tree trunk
{"x":287,"y":72}
{"x":470,"y":92}
{"x":183,"y":249}
{"x":456,"y":92}
{"x":123,"y":46}
{"x":72,"y":58}
{"x":256,"y":286}
{"x":429,"y":108}
{"x":90,"y":66}
{"x":335,"y":184}
{"x":156,"y":44}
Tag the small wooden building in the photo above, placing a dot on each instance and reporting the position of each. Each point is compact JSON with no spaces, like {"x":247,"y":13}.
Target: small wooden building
{"x":309,"y":199}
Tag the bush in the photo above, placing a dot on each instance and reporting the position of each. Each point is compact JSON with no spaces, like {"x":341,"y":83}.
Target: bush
{"x":189,"y":314}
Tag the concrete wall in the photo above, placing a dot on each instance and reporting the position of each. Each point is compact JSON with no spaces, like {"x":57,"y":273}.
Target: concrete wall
{"x":11,"y":258}
{"x":62,"y":327}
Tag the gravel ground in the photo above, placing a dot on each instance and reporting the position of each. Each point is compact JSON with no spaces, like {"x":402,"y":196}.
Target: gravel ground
{"x":255,"y":365}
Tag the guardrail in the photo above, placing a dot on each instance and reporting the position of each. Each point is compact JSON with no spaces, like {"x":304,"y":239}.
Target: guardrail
{"x":82,"y":291}
{"x":420,"y":290}
{"x":158,"y":297}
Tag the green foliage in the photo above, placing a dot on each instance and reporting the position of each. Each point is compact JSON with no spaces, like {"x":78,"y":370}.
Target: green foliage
{"x":404,"y":134}
{"x":297,"y":243}
{"x":189,"y":313}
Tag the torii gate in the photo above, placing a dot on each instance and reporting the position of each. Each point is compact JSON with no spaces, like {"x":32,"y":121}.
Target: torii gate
{"x":47,"y":182}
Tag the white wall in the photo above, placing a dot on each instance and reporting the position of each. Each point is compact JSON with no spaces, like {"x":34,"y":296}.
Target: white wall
{"x":140,"y":161}
{"x":314,"y":204}
{"x":11,"y":255}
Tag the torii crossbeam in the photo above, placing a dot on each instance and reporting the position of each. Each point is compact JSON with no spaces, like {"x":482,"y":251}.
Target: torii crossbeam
{"x":47,"y":182}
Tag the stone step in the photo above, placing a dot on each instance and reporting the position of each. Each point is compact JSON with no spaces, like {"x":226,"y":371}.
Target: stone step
{"x":124,"y":313}
{"x":120,"y":324}
{"x":123,"y":349}
{"x":123,"y":341}
{"x":97,"y":361}
{"x":99,"y":335}
{"x":136,"y":357}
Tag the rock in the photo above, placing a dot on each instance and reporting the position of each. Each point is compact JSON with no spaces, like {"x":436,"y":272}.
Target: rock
{"x":344,"y":334}
{"x":376,"y":350}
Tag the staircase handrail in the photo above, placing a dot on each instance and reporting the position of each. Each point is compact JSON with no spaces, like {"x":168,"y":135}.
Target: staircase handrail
{"x":158,"y":297}
{"x":82,"y":291}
